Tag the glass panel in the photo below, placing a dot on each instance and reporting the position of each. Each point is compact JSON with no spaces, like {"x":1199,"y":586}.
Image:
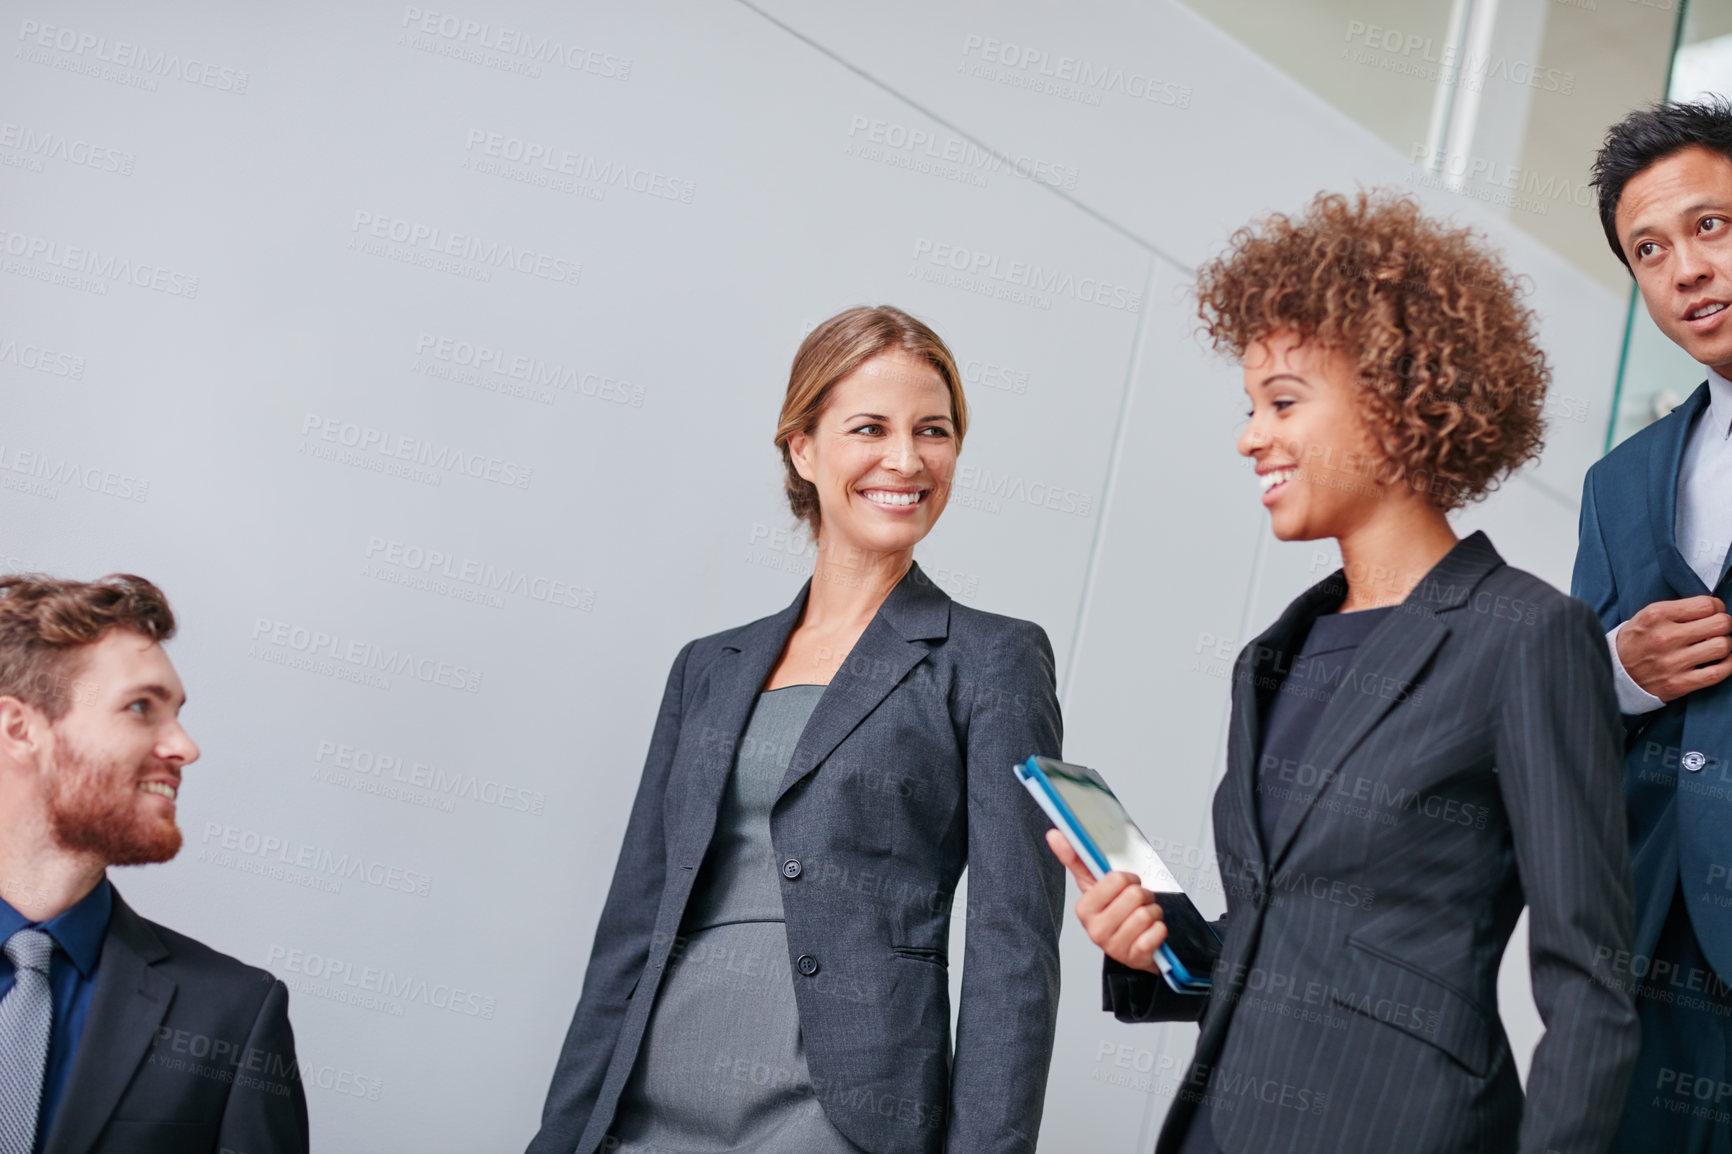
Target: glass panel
{"x":1503,"y":102}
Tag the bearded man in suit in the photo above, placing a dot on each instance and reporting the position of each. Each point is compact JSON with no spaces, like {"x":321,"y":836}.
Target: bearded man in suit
{"x":116,"y":1034}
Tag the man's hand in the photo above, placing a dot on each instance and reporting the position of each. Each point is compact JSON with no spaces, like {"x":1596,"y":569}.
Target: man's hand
{"x":1671,"y":648}
{"x":1116,"y":912}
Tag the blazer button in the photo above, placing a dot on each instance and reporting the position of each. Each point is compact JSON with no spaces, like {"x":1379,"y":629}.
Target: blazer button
{"x":807,"y":964}
{"x":1694,"y":761}
{"x":791,"y":868}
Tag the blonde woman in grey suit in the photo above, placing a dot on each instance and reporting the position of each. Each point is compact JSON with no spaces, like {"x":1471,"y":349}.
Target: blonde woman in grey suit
{"x":770,"y":972}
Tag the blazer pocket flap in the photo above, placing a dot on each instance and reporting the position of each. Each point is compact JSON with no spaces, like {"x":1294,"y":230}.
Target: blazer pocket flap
{"x":922,"y":954}
{"x":1400,"y":995}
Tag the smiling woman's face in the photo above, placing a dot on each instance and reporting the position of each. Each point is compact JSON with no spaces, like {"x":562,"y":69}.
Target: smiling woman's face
{"x":881,"y":454}
{"x":1323,"y":473}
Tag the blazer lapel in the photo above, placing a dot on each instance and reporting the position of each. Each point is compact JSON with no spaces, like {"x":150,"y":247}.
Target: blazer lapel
{"x":126,"y":1008}
{"x":736,"y":677}
{"x":1382,"y":673}
{"x":916,"y":611}
{"x":1664,"y":459}
{"x":1258,"y":669}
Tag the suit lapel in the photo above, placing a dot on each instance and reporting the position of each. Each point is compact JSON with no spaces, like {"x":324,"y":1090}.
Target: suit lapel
{"x":1382,"y":673}
{"x":1257,"y":670}
{"x":1664,"y":459}
{"x":916,"y":611}
{"x":736,"y":677}
{"x":1392,"y":656}
{"x":126,"y":1007}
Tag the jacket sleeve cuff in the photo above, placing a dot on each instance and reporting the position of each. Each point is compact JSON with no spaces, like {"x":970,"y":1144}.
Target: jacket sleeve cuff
{"x":1632,"y":698}
{"x":1137,"y":996}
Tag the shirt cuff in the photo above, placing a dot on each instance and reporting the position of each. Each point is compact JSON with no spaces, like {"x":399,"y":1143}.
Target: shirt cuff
{"x":1632,"y":698}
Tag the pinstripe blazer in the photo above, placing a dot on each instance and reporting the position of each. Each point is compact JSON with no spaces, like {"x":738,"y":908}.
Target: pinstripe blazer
{"x":1467,"y":761}
{"x":901,"y":777}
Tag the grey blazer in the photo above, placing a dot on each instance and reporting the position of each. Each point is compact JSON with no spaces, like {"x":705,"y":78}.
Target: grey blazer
{"x":185,"y":1051}
{"x":1468,"y":762}
{"x":902,"y":777}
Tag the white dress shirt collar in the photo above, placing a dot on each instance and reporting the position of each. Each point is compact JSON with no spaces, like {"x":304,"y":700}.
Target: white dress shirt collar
{"x":1719,"y":414}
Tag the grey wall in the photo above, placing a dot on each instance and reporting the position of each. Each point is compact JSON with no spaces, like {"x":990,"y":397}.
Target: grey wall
{"x":257,"y":232}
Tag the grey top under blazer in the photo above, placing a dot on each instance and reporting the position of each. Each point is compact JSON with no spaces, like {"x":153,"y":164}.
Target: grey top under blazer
{"x":1467,"y":762}
{"x":184,"y":1051}
{"x":901,"y":777}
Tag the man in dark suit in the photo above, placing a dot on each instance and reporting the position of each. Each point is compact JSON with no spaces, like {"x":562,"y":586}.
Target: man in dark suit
{"x":1656,"y":525}
{"x":116,"y":1034}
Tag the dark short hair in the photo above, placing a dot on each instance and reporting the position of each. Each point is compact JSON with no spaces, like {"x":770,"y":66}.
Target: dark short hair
{"x":45,"y":623}
{"x":1648,"y":136}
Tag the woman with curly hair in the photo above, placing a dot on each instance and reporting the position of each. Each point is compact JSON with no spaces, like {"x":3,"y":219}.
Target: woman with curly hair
{"x":1423,"y":742}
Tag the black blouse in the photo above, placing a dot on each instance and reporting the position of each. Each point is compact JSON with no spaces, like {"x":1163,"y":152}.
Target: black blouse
{"x":1291,"y":713}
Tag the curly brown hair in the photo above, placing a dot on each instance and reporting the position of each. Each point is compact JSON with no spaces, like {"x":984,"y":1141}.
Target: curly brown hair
{"x":45,"y":622}
{"x":1454,"y":382}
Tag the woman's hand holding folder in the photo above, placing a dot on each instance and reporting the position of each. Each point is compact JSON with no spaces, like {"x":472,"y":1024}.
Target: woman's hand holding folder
{"x":1116,"y":912}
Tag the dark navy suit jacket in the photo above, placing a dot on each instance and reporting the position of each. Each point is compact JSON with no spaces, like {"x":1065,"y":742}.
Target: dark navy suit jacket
{"x":1677,"y":759}
{"x":1466,"y":763}
{"x":185,"y":1051}
{"x":902,"y":777}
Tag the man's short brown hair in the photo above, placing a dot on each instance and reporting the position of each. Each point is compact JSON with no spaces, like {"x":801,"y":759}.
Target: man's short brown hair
{"x":45,"y":622}
{"x":1452,"y":380}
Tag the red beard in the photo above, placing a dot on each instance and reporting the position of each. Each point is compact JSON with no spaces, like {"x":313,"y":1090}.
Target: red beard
{"x":95,"y":809}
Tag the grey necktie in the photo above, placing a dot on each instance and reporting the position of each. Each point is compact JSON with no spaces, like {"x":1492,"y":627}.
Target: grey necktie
{"x":26,"y":1016}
